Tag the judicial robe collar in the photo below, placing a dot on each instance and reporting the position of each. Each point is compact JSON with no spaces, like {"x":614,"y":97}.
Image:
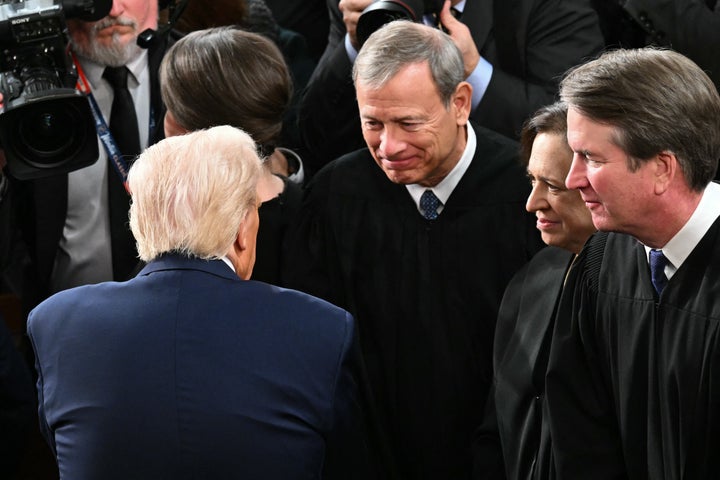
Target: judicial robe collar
{"x":684,"y":242}
{"x":444,"y":189}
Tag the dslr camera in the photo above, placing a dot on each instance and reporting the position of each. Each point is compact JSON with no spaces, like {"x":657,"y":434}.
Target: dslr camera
{"x":46,"y":125}
{"x":381,"y":12}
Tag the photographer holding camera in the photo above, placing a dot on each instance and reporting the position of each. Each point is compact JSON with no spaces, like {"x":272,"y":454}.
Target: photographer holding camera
{"x":72,"y":228}
{"x":514,"y":52}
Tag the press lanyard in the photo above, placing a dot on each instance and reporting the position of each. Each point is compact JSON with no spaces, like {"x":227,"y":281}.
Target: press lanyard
{"x":113,"y":152}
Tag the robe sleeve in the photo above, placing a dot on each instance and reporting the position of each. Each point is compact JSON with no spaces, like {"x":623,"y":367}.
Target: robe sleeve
{"x":309,"y":252}
{"x":583,"y":421}
{"x":352,"y":451}
{"x":488,"y":462}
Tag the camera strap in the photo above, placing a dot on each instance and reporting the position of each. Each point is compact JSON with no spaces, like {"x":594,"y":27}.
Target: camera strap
{"x":113,"y":152}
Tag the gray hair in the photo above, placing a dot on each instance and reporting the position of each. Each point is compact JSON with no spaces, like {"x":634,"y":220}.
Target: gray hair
{"x":190,"y":193}
{"x":401,"y":43}
{"x":657,"y":100}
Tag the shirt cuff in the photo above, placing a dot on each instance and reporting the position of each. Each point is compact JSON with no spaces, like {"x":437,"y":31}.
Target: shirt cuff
{"x":352,"y":53}
{"x":480,"y":79}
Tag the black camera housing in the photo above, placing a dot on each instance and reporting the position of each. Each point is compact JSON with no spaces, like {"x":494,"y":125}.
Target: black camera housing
{"x":381,"y":12}
{"x":46,"y":125}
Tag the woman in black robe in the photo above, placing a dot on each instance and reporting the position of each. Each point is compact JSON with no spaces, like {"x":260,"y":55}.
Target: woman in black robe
{"x":526,"y":319}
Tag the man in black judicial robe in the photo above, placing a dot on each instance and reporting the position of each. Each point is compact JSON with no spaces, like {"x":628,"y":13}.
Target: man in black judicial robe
{"x":648,"y":405}
{"x":632,"y":384}
{"x":514,"y":52}
{"x":424,"y":285}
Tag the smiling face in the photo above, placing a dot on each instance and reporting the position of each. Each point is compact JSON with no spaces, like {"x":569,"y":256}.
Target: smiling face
{"x":411,"y":135}
{"x":562,"y":218}
{"x":619,"y":200}
{"x":111,"y":40}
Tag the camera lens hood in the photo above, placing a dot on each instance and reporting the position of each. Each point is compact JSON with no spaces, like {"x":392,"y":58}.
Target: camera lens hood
{"x":381,"y":12}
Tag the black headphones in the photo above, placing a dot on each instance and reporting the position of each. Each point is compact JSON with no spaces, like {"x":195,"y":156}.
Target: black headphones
{"x":150,"y":36}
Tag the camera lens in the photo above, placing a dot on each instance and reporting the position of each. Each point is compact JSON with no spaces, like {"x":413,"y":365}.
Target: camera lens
{"x":381,"y":12}
{"x":47,"y":133}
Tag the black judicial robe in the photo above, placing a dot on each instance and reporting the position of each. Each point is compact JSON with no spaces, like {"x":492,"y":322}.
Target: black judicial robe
{"x":425,"y":293}
{"x":633,"y":384}
{"x":276,"y":215}
{"x":522,"y":346}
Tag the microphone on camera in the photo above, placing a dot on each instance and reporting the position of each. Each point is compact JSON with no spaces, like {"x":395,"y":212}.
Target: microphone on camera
{"x":147,"y":38}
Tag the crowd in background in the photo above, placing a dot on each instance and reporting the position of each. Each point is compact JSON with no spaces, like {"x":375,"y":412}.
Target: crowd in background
{"x":390,"y":265}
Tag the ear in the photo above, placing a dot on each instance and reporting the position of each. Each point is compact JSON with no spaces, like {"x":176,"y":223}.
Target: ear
{"x":462,"y":102}
{"x":241,"y":240}
{"x":171,"y":127}
{"x":666,"y":169}
{"x":240,"y":254}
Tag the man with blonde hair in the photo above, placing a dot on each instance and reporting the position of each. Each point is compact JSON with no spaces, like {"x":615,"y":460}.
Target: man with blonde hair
{"x":190,"y":370}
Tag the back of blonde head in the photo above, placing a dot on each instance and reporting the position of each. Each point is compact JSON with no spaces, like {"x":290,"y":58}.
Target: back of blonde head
{"x":190,"y":193}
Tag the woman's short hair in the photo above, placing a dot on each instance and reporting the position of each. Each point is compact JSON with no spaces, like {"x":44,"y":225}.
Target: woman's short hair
{"x":550,"y":119}
{"x":225,"y":76}
{"x":190,"y":193}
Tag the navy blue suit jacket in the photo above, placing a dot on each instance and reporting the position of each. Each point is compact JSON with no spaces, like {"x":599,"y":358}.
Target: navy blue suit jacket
{"x":187,"y":371}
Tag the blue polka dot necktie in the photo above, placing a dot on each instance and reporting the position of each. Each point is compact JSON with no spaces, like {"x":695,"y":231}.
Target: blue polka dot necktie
{"x":429,"y":204}
{"x":658,"y":262}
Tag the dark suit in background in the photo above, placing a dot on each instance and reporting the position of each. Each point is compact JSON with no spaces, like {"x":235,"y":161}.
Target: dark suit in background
{"x":530,"y":43}
{"x":187,"y":371}
{"x":691,"y":27}
{"x":309,"y":18}
{"x":17,"y":404}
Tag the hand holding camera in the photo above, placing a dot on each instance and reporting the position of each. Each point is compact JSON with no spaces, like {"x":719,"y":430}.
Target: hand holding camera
{"x":363,"y":17}
{"x":351,"y":10}
{"x":462,"y":37}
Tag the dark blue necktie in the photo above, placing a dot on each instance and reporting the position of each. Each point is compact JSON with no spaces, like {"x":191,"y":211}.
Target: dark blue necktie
{"x":429,"y":204}
{"x":658,"y":262}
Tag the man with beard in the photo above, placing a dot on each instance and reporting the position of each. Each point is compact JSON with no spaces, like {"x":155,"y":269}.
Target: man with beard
{"x":72,"y":228}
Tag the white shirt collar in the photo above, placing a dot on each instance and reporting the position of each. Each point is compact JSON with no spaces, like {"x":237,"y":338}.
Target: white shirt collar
{"x":444,"y":189}
{"x":684,"y":242}
{"x":94,"y":71}
{"x":227,"y":261}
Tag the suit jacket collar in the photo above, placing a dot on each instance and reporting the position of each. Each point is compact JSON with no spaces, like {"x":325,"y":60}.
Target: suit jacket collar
{"x":175,"y":261}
